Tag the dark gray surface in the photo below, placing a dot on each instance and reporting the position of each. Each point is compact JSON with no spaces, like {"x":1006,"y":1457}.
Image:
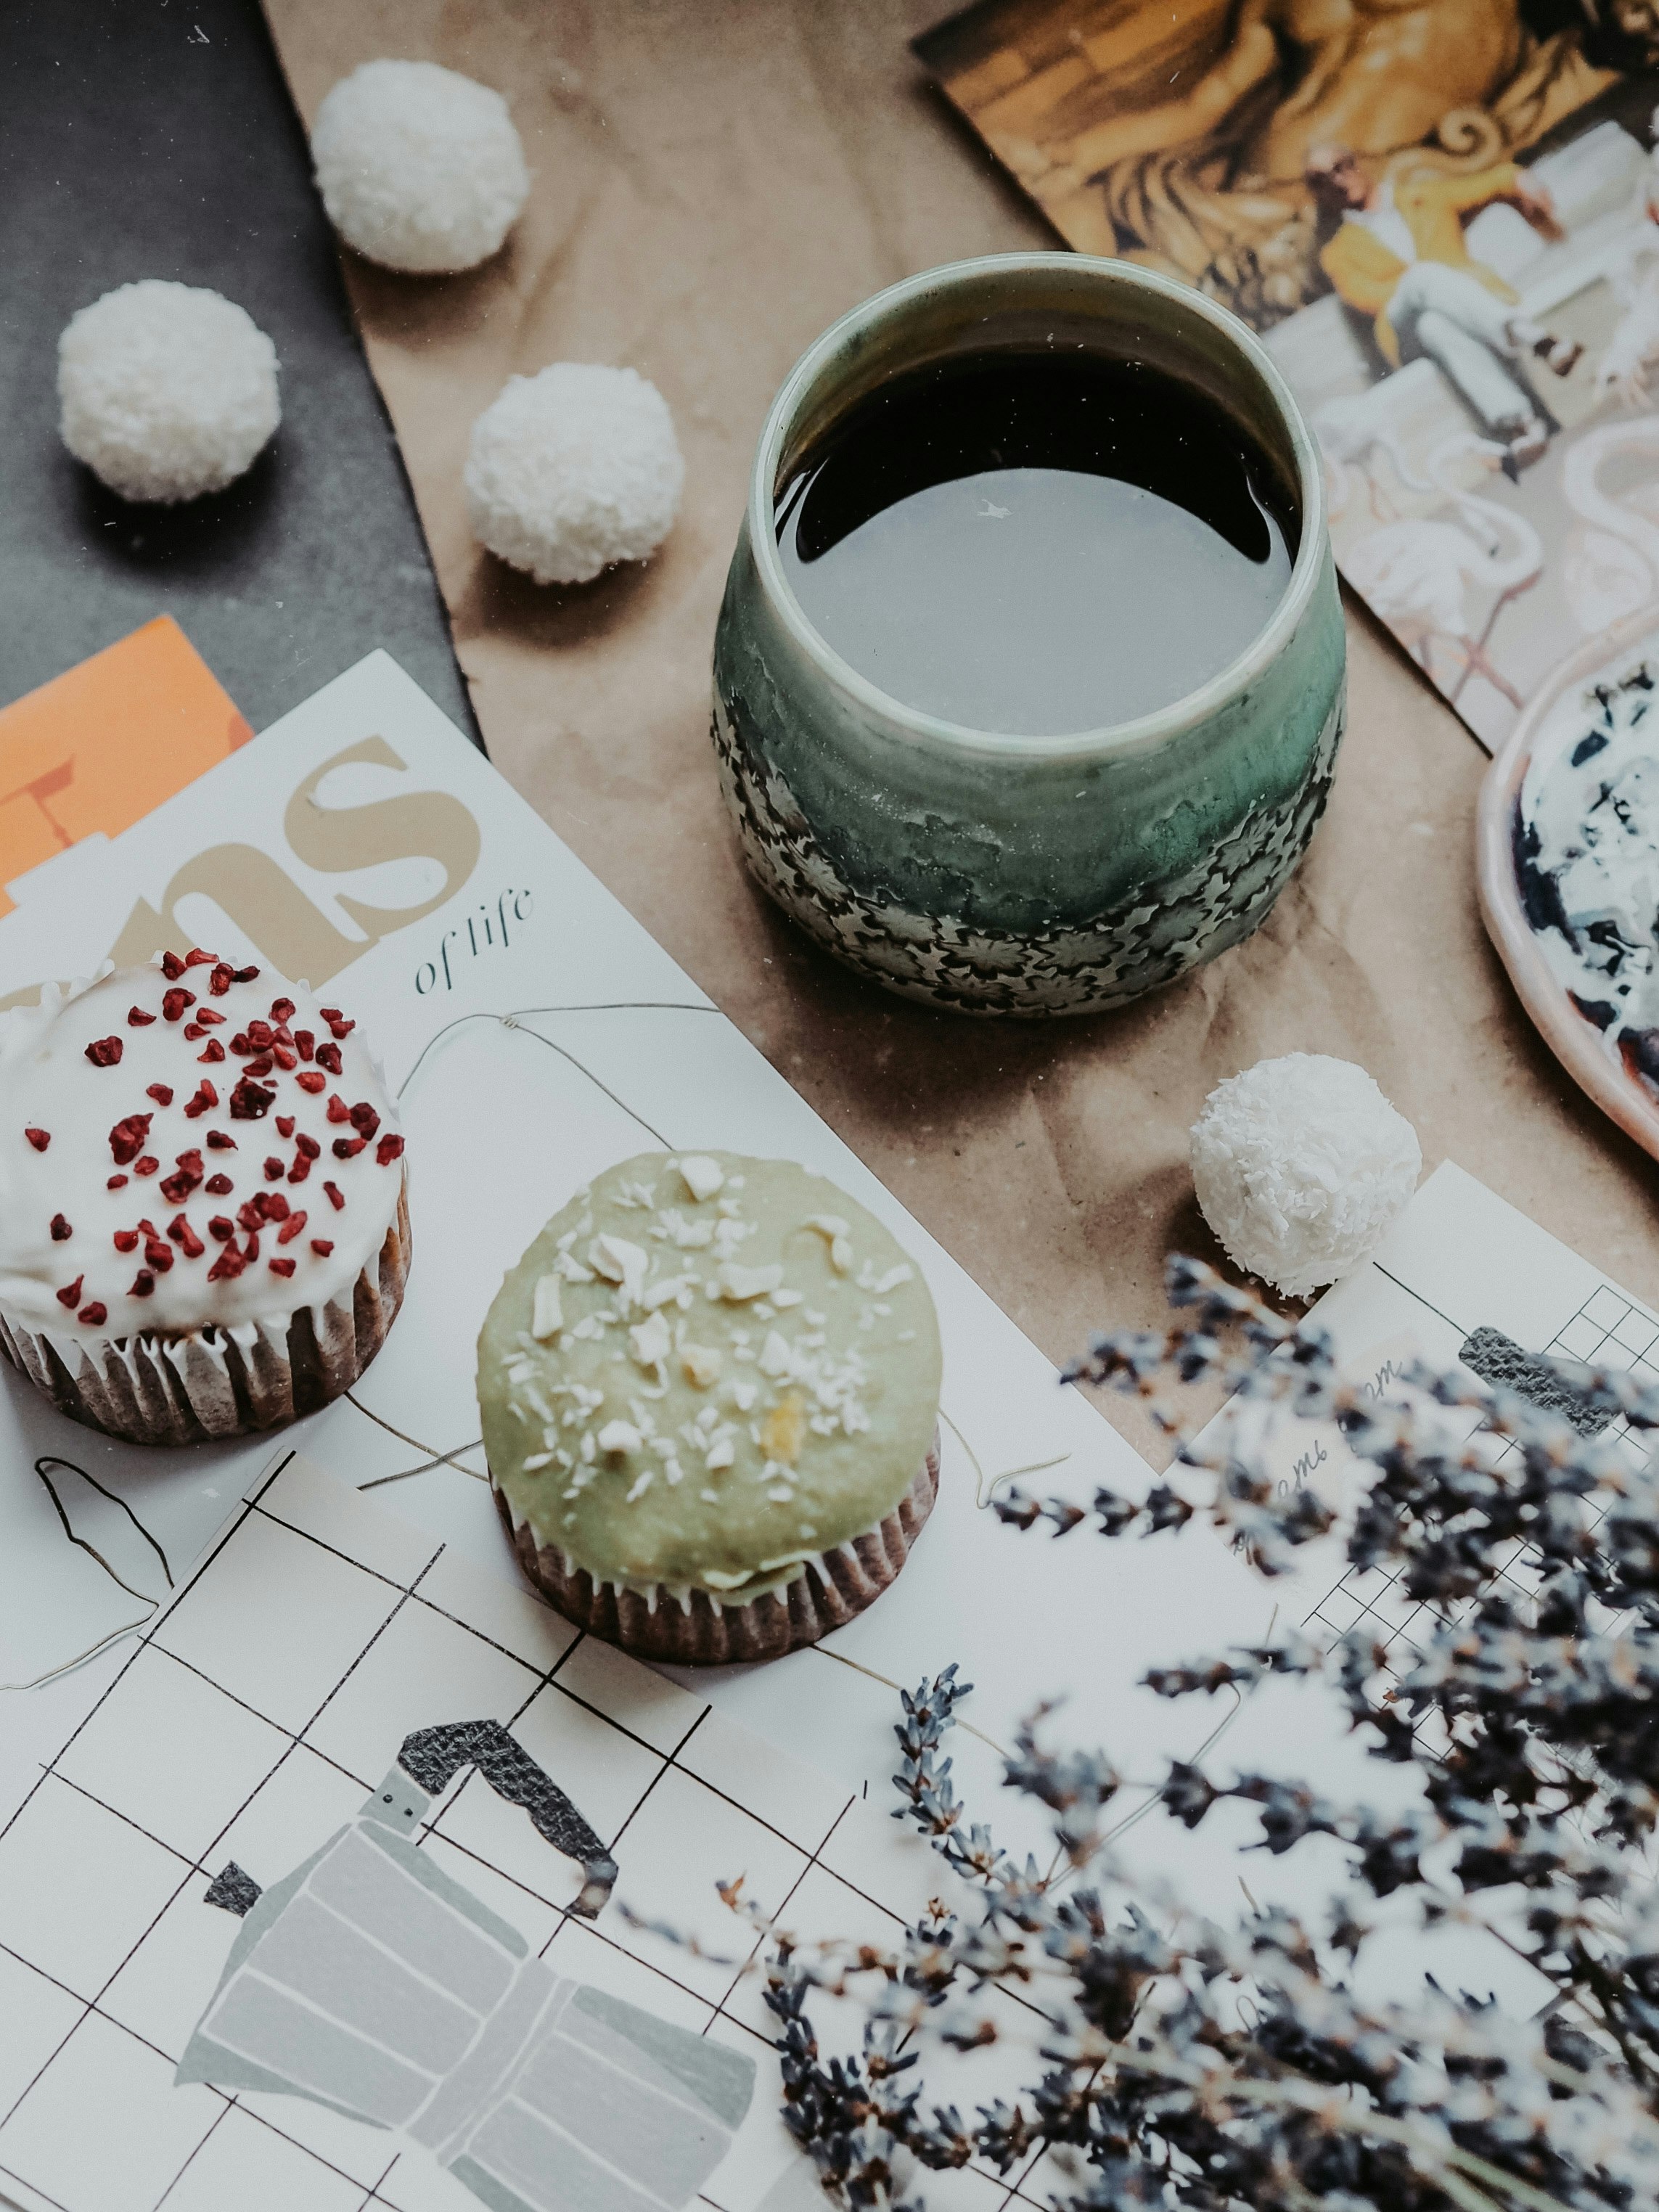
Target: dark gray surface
{"x":156,"y":138}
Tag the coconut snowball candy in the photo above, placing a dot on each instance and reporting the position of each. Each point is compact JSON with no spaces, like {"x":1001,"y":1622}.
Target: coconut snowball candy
{"x":1302,"y":1166}
{"x":165,"y":391}
{"x":420,"y":169}
{"x":573,"y":469}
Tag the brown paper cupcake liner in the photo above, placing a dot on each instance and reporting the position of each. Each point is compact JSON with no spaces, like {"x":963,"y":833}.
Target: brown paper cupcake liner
{"x":692,"y":1627}
{"x":219,"y":1381}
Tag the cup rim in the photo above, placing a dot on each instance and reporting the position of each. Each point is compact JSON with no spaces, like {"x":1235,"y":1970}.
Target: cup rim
{"x":1193,"y":708}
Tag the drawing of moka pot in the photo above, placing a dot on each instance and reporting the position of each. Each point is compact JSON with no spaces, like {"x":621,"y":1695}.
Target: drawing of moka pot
{"x":372,"y":1982}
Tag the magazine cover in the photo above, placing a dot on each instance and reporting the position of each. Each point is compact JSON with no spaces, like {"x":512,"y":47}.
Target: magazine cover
{"x":1442,"y":216}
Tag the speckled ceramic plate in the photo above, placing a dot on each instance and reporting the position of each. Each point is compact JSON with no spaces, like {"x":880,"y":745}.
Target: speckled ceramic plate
{"x":1609,"y":690}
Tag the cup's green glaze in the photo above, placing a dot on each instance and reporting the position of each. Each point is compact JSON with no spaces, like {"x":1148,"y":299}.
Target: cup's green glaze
{"x":1022,"y":875}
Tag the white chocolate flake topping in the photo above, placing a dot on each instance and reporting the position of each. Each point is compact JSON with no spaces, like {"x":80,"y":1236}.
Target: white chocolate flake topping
{"x":621,"y":1262}
{"x":547,"y":1310}
{"x":837,"y":1234}
{"x":650,"y":1341}
{"x":702,"y":1176}
{"x":736,"y":1282}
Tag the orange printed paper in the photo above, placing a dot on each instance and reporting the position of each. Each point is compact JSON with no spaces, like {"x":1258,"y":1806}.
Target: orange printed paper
{"x":100,"y":746}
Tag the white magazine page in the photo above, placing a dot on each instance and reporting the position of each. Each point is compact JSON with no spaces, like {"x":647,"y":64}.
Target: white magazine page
{"x":535,"y":1033}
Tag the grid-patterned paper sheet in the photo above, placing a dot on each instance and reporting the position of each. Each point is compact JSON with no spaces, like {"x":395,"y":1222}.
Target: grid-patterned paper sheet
{"x":1460,"y":1261}
{"x":247,"y":1725}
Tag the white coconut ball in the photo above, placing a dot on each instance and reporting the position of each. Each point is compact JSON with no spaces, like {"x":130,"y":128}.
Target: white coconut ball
{"x":165,"y":391}
{"x":420,"y":169}
{"x":1301,"y":1165}
{"x":573,"y":470}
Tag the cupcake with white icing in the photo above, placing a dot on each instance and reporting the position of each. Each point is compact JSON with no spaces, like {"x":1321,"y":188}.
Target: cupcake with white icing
{"x":204,"y":1224}
{"x":709,"y":1393}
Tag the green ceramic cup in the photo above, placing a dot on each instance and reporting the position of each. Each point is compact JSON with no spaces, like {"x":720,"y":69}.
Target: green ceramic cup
{"x":1019,"y":875}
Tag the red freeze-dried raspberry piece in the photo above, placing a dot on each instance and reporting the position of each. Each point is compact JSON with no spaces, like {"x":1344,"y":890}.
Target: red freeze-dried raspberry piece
{"x":308,"y":1147}
{"x":390,"y":1148}
{"x":94,"y":1314}
{"x":247,"y":975}
{"x":221,"y":980}
{"x":261,"y":1066}
{"x":148,"y":1229}
{"x":71,"y":1294}
{"x":250,"y":1250}
{"x":126,"y":1240}
{"x":220,"y":1185}
{"x":274,"y":1169}
{"x":239,"y":1046}
{"x":282,"y":1010}
{"x":228,"y":1265}
{"x":173,"y":1003}
{"x":158,"y":1256}
{"x":364,"y":1120}
{"x":137,"y":1018}
{"x":280,"y":1266}
{"x":126,"y":1138}
{"x":322,"y":1246}
{"x":250,"y":1214}
{"x":177,"y":1188}
{"x":311,"y":1079}
{"x":347,"y":1148}
{"x":116,"y":1183}
{"x":337,"y":1021}
{"x":211,"y":1052}
{"x":305,"y":1043}
{"x":161,"y":1093}
{"x":172,"y":966}
{"x":209,"y":1017}
{"x":336,"y":1196}
{"x":291,"y":1228}
{"x":338,"y":1108}
{"x":272,"y":1204}
{"x":39,"y":1138}
{"x":186,"y":1238}
{"x":206,"y":1096}
{"x":222,"y":1227}
{"x":61,"y":1231}
{"x":145,"y":1164}
{"x":250,"y":1101}
{"x":300,"y":1169}
{"x":259,"y":1034}
{"x":104,"y":1052}
{"x":142,"y":1284}
{"x":328,"y":1056}
{"x":285,"y":1125}
{"x":193,"y":1030}
{"x":286,"y":1060}
{"x":198,"y":958}
{"x":218,"y":1142}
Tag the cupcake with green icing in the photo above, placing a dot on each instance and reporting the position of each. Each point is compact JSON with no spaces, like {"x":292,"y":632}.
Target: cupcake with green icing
{"x":710,"y":1396}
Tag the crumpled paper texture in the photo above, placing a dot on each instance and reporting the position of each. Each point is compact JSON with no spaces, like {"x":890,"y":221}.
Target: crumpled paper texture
{"x":713,"y":184}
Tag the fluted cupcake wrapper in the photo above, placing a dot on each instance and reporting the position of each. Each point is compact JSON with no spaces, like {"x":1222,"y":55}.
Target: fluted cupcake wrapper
{"x":220,"y":1381}
{"x":693,"y":1627}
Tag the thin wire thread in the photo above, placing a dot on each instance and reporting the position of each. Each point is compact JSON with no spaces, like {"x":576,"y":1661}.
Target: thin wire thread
{"x":514,"y":1020}
{"x":84,"y":1658}
{"x":438,"y":1459}
{"x":888,"y":1683}
{"x":984,"y":1493}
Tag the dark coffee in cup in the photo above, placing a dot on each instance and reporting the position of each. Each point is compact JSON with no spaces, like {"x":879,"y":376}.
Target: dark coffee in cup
{"x":1036,"y":541}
